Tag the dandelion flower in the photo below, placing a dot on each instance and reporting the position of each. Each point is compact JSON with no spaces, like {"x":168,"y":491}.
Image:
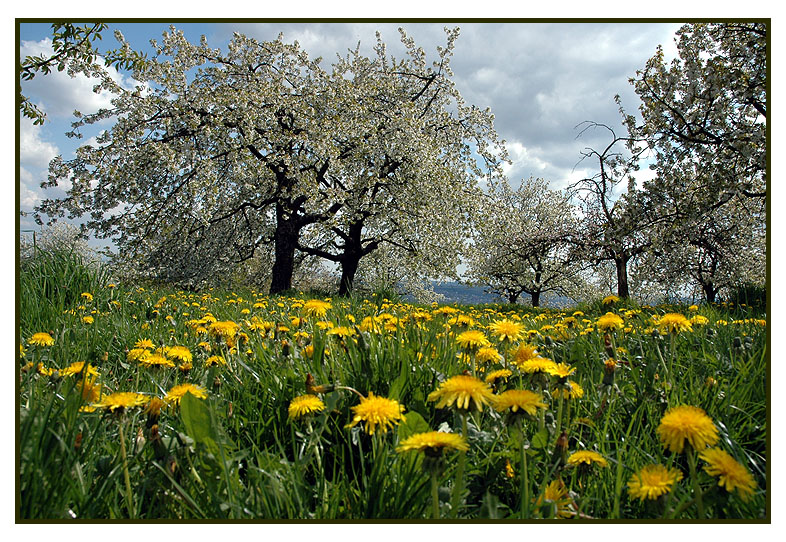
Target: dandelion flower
{"x":180,"y":353}
{"x":556,"y":493}
{"x":686,"y":423}
{"x":731,"y":474}
{"x":342,"y":332}
{"x":88,"y":320}
{"x":507,"y":331}
{"x":610,"y":299}
{"x":77,"y":367}
{"x":525,"y":400}
{"x":226,"y":329}
{"x":121,"y":400}
{"x":523,"y":353}
{"x":305,"y":405}
{"x":433,"y":443}
{"x":377,"y":411}
{"x":472,"y":340}
{"x":568,"y":390}
{"x":538,"y":365}
{"x":175,"y":394}
{"x":155,"y":360}
{"x":466,"y":391}
{"x":496,"y":375}
{"x":586,"y":457}
{"x":652,"y":481}
{"x":487,"y":354}
{"x":673,"y":323}
{"x":144,"y":343}
{"x":316,"y":308}
{"x":41,"y":339}
{"x":609,"y":321}
{"x":563,"y":370}
{"x":699,"y":320}
{"x":215,"y":360}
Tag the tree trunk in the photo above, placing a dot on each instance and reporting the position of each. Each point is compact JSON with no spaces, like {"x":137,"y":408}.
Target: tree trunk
{"x":349,"y":267}
{"x":709,"y":291}
{"x":535,"y":296}
{"x":622,"y":277}
{"x":512,"y":297}
{"x":287,"y":233}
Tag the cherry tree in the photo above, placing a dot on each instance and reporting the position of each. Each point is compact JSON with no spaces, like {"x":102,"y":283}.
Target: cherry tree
{"x":216,"y":154}
{"x":523,"y":242}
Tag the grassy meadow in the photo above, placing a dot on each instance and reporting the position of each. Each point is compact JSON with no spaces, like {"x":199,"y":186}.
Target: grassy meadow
{"x":148,"y":402}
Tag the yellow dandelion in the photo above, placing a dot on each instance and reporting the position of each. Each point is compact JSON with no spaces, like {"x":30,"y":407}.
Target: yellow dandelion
{"x":121,"y":400}
{"x":524,"y":353}
{"x":180,"y":353}
{"x":77,"y":367}
{"x":673,"y":323}
{"x":507,"y":331}
{"x":305,"y":405}
{"x":155,"y":360}
{"x":176,"y":393}
{"x":472,"y":340}
{"x":515,"y":400}
{"x":41,"y":339}
{"x":609,"y":321}
{"x":144,"y":343}
{"x":467,"y":392}
{"x":226,"y":329}
{"x":587,"y":457}
{"x":689,"y":423}
{"x":215,"y":360}
{"x":87,"y":296}
{"x":342,"y":332}
{"x":316,"y":308}
{"x":568,"y":390}
{"x":487,"y":354}
{"x":731,"y":474}
{"x":652,"y":481}
{"x":496,"y":375}
{"x":433,"y":443}
{"x":610,"y":299}
{"x":88,"y":320}
{"x":538,"y":365}
{"x":377,"y":411}
{"x":562,"y":370}
{"x":556,"y":494}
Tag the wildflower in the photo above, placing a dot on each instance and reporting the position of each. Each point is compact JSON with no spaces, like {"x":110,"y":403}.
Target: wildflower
{"x":433,"y":443}
{"x":342,"y":332}
{"x":493,"y":376}
{"x":586,"y":457}
{"x":652,"y":481}
{"x":144,"y":343}
{"x":524,"y":352}
{"x":77,"y":367}
{"x":177,"y":392}
{"x":472,"y":340}
{"x":538,"y":365}
{"x":556,"y":494}
{"x":673,"y":323}
{"x":569,"y":390}
{"x":226,"y":329}
{"x":88,"y":296}
{"x":731,"y":474}
{"x":563,"y":370}
{"x":686,"y":423}
{"x":609,"y":321}
{"x":41,"y":339}
{"x":487,"y":354}
{"x":693,"y":308}
{"x":505,"y":330}
{"x":377,"y":411}
{"x":305,"y":405}
{"x":525,"y":400}
{"x":316,"y":308}
{"x":466,"y":391}
{"x":156,"y":360}
{"x":121,"y":400}
{"x":215,"y":360}
{"x":180,"y":353}
{"x":698,"y":320}
{"x":154,"y":408}
{"x":137,"y":354}
{"x":610,"y":299}
{"x":509,"y":472}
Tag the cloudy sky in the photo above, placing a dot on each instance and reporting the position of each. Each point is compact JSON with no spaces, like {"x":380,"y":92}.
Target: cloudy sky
{"x":540,"y":80}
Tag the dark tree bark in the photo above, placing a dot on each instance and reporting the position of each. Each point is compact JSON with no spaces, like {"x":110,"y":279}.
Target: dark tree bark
{"x":286,"y":242}
{"x":621,"y":263}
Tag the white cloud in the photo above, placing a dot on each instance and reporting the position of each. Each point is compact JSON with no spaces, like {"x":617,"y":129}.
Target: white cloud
{"x":57,"y":93}
{"x":33,"y":150}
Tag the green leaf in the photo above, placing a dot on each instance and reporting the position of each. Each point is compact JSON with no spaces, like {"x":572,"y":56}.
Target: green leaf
{"x":540,"y":439}
{"x":199,"y":425}
{"x":413,"y":423}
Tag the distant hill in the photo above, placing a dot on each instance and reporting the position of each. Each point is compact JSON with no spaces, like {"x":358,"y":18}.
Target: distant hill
{"x":456,"y":292}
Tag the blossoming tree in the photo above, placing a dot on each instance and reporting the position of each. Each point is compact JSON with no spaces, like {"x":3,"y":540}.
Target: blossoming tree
{"x":215,"y":154}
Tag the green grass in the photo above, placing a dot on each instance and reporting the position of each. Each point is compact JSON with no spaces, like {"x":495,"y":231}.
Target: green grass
{"x":237,"y":455}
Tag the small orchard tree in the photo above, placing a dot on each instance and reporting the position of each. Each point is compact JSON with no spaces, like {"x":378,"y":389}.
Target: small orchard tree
{"x":612,"y":224}
{"x":215,"y":154}
{"x":523,"y":242}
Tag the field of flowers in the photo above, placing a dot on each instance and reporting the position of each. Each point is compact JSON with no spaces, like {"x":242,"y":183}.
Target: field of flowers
{"x":140,"y":402}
